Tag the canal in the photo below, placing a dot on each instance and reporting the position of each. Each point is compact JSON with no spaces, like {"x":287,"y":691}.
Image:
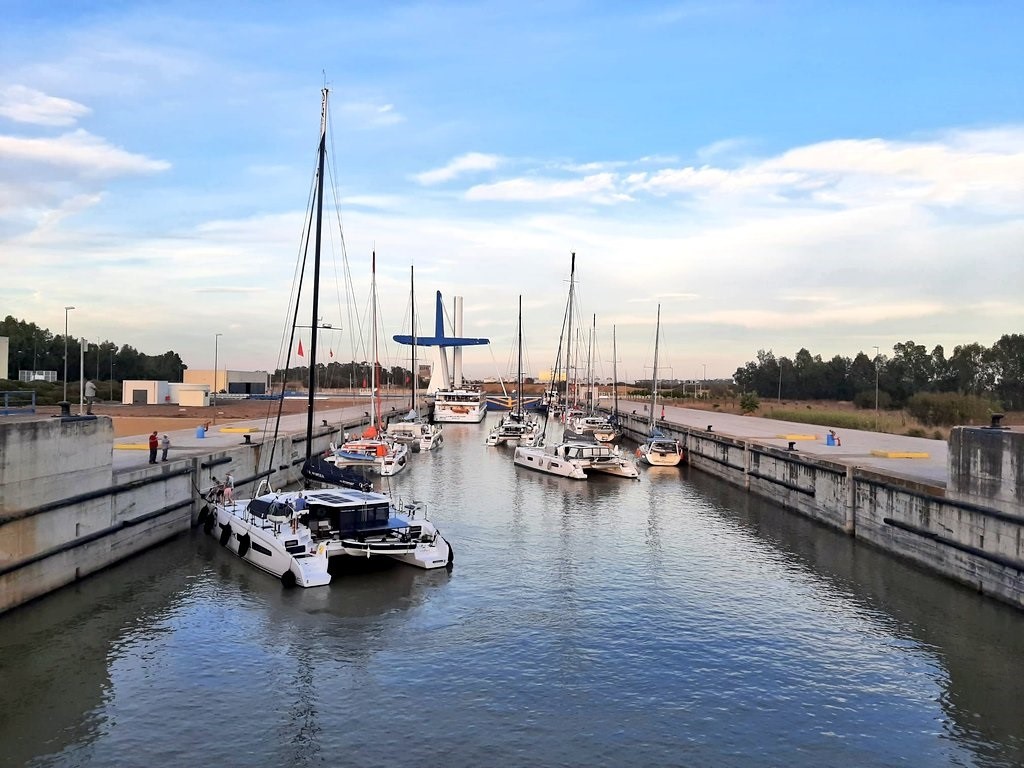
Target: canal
{"x":674,"y":621}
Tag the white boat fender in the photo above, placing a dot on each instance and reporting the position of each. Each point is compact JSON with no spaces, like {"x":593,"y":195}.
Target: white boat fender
{"x":244,"y":541}
{"x":225,"y":534}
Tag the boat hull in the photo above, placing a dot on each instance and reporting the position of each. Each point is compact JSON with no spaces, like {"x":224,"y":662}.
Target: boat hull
{"x":272,"y":548}
{"x":542,"y":460}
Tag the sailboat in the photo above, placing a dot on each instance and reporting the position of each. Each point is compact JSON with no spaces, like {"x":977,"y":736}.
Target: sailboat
{"x":373,"y":448}
{"x":658,"y":450}
{"x":591,"y":422}
{"x":516,"y":426}
{"x":573,"y":457}
{"x":292,"y":534}
{"x":414,"y":430}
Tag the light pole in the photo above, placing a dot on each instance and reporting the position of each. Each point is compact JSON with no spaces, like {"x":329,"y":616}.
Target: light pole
{"x":112,"y":376}
{"x":876,"y":386}
{"x":66,"y":310}
{"x":780,"y":380}
{"x":216,"y":339}
{"x":704,"y":381}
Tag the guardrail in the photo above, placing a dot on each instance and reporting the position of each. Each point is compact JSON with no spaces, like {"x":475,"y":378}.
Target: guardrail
{"x":18,"y":402}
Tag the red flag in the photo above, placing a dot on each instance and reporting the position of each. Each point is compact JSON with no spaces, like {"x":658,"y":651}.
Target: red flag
{"x":331,"y":352}
{"x":300,"y":348}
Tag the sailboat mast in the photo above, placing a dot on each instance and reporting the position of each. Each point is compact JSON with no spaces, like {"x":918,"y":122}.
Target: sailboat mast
{"x":615,"y":378}
{"x":591,"y":381}
{"x":374,"y":402}
{"x":654,"y":380}
{"x":412,"y":315}
{"x":568,"y":336}
{"x":519,"y":378}
{"x":322,"y":151}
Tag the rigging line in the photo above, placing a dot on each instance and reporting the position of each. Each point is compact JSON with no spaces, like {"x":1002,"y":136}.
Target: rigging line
{"x":354,"y":325}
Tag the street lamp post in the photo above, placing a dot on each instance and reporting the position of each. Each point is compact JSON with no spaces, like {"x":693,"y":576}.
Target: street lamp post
{"x":216,"y":339}
{"x":876,"y":386}
{"x":780,"y":379}
{"x":66,"y":310}
{"x":111,"y":375}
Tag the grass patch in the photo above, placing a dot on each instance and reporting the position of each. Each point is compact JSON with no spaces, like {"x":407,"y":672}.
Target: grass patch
{"x":895,"y":423}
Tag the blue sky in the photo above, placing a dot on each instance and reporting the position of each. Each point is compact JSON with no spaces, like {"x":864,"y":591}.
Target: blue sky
{"x":777,"y":175}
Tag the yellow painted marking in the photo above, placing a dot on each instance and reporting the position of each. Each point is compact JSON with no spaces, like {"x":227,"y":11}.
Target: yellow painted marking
{"x":797,"y":437}
{"x":131,"y":446}
{"x":900,"y":454}
{"x":239,"y":429}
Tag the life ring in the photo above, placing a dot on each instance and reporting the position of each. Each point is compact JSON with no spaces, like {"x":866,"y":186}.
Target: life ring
{"x":244,"y":541}
{"x":225,"y":535}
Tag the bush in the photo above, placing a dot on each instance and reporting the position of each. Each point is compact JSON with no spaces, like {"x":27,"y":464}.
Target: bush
{"x":866,"y":399}
{"x":749,"y":402}
{"x":946,"y":409}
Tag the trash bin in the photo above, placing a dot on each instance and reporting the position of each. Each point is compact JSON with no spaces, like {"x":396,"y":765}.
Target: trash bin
{"x":830,"y":440}
{"x":201,"y":432}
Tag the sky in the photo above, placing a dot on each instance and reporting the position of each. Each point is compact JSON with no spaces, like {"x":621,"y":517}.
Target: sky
{"x":776,"y":175}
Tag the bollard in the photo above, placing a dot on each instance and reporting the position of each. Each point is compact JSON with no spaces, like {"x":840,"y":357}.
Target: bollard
{"x":792,"y":445}
{"x":248,"y":439}
{"x":996,"y":419}
{"x":709,"y":428}
{"x":65,"y":408}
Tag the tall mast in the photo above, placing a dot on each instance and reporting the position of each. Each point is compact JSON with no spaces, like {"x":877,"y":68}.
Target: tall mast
{"x":590,"y":368}
{"x":654,"y":380}
{"x":412,"y":315}
{"x":615,"y":379}
{"x":519,"y":378}
{"x":374,"y":402}
{"x":316,"y":272}
{"x":568,"y":337}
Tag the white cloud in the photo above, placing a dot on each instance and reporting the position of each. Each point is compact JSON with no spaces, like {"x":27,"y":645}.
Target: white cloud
{"x":366,"y":114}
{"x":597,"y":188}
{"x":27,"y":105}
{"x":467,"y":163}
{"x":81,"y":151}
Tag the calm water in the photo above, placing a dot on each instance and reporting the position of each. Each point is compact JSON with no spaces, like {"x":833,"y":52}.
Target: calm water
{"x":673,"y":621}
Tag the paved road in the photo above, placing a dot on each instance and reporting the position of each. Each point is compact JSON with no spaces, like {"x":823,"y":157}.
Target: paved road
{"x":186,"y":443}
{"x":855,"y":449}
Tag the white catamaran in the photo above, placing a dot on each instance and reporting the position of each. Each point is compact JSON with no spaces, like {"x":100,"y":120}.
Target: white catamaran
{"x":292,"y":534}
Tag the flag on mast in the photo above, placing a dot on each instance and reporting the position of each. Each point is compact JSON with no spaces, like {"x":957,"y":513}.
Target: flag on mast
{"x":300,"y":349}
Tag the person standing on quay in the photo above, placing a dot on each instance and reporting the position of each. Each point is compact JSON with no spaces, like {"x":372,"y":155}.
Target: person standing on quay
{"x":153,"y":443}
{"x":165,"y":445}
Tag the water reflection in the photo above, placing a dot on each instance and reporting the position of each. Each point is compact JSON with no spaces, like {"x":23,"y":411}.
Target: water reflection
{"x":671,"y":621}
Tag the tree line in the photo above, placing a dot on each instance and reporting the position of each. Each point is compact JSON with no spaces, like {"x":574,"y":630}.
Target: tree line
{"x":995,"y":372}
{"x":37,"y":349}
{"x":356,"y":375}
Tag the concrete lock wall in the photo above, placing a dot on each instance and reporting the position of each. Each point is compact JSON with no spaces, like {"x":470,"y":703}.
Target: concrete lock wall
{"x":49,"y":539}
{"x":41,"y":459}
{"x":986,"y":466}
{"x":975,"y":537}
